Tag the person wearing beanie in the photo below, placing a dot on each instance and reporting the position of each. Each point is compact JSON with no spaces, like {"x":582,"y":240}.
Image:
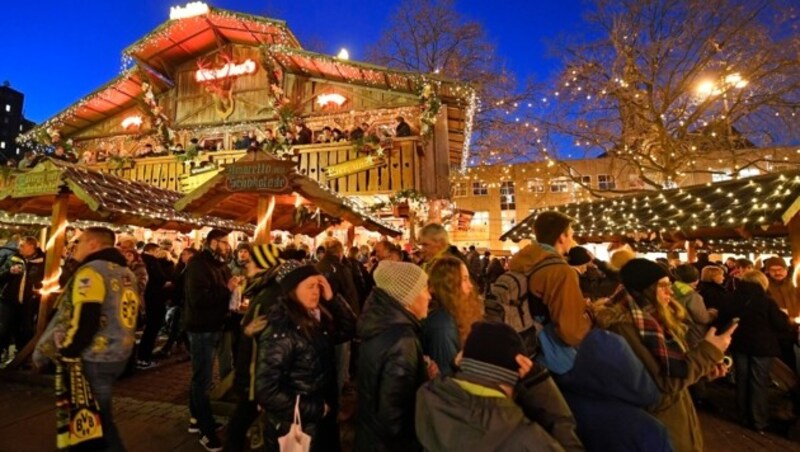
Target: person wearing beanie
{"x":391,"y":366}
{"x":241,"y":258}
{"x":262,"y":291}
{"x":476,"y":409}
{"x":296,"y":359}
{"x":651,"y":322}
{"x":207,"y":289}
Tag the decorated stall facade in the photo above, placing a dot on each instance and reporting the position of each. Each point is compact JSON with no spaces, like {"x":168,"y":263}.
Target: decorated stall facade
{"x":214,"y":75}
{"x":759,"y":214}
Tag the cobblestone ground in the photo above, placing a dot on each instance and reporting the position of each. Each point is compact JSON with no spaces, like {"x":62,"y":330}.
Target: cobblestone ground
{"x":151,"y":411}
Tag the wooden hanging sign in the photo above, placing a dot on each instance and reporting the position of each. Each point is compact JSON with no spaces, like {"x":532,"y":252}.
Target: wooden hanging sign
{"x":354,"y":166}
{"x":35,"y":183}
{"x":261,"y":176}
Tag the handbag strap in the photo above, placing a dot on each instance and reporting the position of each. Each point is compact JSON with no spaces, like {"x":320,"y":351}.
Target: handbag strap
{"x":297,"y":412}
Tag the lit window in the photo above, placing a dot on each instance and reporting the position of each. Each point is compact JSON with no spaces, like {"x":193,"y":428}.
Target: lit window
{"x":479,"y":222}
{"x":559,"y":185}
{"x":749,"y":172}
{"x":536,"y":186}
{"x":17,"y":151}
{"x":724,"y":174}
{"x":508,"y":218}
{"x":606,"y":182}
{"x":20,"y":127}
{"x":507,"y":197}
{"x":479,"y":188}
{"x":8,"y":107}
{"x":459,"y":190}
{"x":2,"y":144}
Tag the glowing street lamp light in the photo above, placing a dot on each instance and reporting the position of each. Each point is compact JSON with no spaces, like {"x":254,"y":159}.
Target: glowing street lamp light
{"x":343,"y":55}
{"x":710,"y":88}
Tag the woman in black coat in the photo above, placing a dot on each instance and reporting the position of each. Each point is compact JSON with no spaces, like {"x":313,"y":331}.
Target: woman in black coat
{"x":755,"y":345}
{"x":296,"y":357}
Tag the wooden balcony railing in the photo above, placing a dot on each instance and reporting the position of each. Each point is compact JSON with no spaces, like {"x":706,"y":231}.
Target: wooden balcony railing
{"x":403,"y":169}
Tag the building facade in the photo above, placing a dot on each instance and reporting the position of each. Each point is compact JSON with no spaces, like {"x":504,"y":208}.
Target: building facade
{"x":499,"y":196}
{"x":12,"y":122}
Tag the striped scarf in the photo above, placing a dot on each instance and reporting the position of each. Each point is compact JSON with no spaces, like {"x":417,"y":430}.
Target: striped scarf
{"x":663,"y":346}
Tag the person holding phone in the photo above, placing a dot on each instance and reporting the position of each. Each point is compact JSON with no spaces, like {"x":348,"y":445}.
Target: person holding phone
{"x":755,"y":345}
{"x":652,"y":323}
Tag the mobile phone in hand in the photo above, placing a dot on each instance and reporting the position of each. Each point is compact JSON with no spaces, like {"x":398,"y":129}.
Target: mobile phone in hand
{"x":728,"y":326}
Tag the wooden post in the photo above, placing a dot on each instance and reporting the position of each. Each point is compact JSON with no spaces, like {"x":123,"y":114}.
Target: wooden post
{"x":52,"y":270}
{"x":794,"y":240}
{"x":264,"y":209}
{"x":351,"y":238}
{"x":691,"y":251}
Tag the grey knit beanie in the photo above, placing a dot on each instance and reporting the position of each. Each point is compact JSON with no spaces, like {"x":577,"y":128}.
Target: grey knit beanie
{"x":403,"y":281}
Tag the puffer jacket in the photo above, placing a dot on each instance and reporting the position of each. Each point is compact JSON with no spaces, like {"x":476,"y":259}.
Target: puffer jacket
{"x":390,"y":370}
{"x":291,"y":364}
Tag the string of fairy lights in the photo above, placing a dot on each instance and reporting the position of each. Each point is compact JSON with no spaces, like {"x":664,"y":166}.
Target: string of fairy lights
{"x":752,"y":204}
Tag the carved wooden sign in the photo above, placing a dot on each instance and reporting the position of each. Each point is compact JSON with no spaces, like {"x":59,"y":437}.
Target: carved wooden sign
{"x":354,"y":166}
{"x":36,"y":183}
{"x":259,"y":176}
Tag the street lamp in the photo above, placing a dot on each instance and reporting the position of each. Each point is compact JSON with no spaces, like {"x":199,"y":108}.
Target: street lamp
{"x":707,"y":88}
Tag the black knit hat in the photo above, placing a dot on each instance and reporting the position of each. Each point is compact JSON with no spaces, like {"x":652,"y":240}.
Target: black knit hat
{"x":490,"y":353}
{"x":291,"y":273}
{"x":639,"y":274}
{"x":578,"y":255}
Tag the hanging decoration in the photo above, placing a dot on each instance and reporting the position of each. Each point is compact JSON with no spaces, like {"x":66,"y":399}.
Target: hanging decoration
{"x":219,"y":82}
{"x":159,"y":120}
{"x":430,"y":104}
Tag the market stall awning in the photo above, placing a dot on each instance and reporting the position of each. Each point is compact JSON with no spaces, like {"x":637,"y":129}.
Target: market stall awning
{"x":760,"y":206}
{"x":302,"y":205}
{"x":110,"y":99}
{"x":180,"y":40}
{"x":95,"y":196}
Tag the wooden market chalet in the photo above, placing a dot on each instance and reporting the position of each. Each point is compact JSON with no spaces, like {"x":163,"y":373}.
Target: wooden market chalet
{"x":213,"y":75}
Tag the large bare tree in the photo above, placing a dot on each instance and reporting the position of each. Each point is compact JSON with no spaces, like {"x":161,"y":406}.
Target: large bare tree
{"x":431,"y":36}
{"x":662,"y":85}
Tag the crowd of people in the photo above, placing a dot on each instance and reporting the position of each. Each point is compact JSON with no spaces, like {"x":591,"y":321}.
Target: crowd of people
{"x":441,"y":349}
{"x":265,"y":139}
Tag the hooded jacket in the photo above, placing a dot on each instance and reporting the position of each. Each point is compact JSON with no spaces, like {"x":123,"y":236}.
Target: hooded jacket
{"x":700,"y":318}
{"x":559,"y":289}
{"x":675,"y":408}
{"x":459,"y":415}
{"x":390,"y":370}
{"x":609,"y":382}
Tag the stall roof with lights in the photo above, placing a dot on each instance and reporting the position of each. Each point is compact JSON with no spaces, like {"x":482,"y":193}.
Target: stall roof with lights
{"x":296,"y":203}
{"x":179,"y":40}
{"x":761,"y":206}
{"x":95,"y":196}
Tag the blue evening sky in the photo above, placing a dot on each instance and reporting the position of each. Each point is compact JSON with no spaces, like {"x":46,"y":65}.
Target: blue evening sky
{"x":56,"y":52}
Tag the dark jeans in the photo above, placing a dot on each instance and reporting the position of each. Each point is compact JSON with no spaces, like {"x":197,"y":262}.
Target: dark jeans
{"x":202,"y":353}
{"x":155,"y":313}
{"x":176,"y":332}
{"x":752,"y":386}
{"x":101,"y":377}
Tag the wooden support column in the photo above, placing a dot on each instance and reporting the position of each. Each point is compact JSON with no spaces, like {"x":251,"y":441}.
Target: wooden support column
{"x":691,"y":250}
{"x":52,"y":270}
{"x":264,"y":210}
{"x":351,"y":238}
{"x":794,"y":240}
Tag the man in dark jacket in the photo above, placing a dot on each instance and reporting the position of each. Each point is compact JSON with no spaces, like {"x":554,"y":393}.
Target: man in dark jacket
{"x":390,"y":363}
{"x":402,"y":129}
{"x":20,"y":277}
{"x":476,"y":410}
{"x":304,"y":134}
{"x":155,"y":304}
{"x":208,"y":287}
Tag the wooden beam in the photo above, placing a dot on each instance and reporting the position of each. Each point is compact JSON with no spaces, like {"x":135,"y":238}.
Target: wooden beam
{"x":264,"y":210}
{"x":794,"y":241}
{"x":52,"y":270}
